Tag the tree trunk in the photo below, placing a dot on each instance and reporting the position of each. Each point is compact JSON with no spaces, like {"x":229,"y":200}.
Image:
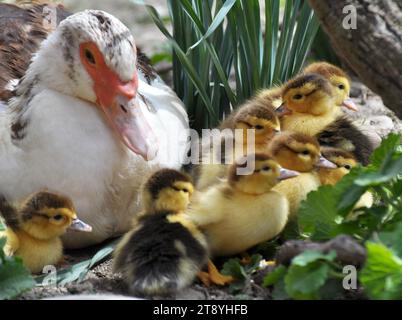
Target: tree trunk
{"x":374,"y":48}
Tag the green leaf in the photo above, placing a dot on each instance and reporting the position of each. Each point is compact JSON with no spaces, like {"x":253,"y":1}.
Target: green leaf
{"x":305,"y":282}
{"x":234,"y":268}
{"x":387,"y":147}
{"x":393,"y":239}
{"x":14,"y":278}
{"x":382,"y":273}
{"x":310,"y":256}
{"x":274,"y":276}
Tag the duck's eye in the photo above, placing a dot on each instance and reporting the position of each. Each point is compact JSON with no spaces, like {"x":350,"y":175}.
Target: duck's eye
{"x":184,"y":190}
{"x":266,"y":169}
{"x":259,"y":127}
{"x":341,"y":86}
{"x":347,"y":167}
{"x":90,"y":57}
{"x":305,"y":152}
{"x":58,"y":217}
{"x":297,"y":96}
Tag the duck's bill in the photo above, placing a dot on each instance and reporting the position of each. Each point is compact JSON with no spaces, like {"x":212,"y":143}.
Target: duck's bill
{"x":283,"y":110}
{"x":324,"y":163}
{"x":78,"y":225}
{"x":287,"y":174}
{"x":349,"y":104}
{"x":132,"y":126}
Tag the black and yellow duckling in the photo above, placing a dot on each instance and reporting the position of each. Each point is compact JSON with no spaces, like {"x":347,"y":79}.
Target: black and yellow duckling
{"x":315,"y":112}
{"x":35,"y":227}
{"x":164,"y":251}
{"x":258,"y":115}
{"x":344,"y":162}
{"x":243,"y":210}
{"x":298,"y":152}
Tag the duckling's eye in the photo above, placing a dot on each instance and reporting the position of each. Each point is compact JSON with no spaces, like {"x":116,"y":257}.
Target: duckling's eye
{"x":306,"y":152}
{"x":341,"y":86}
{"x":185,"y":190}
{"x":266,"y":169}
{"x":297,"y":96}
{"x":58,"y":217}
{"x":90,"y":57}
{"x":347,"y":167}
{"x":259,"y":127}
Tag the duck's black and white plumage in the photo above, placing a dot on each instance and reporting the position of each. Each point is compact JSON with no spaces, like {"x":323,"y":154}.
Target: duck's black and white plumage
{"x":84,"y":117}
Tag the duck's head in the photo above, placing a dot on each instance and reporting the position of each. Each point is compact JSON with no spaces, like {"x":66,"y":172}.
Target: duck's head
{"x":260,"y":117}
{"x":339,"y":81}
{"x":298,"y":152}
{"x":344,"y":162}
{"x":308,"y":93}
{"x":257,"y":174}
{"x":46,"y":215}
{"x":92,"y":56}
{"x":167,"y":190}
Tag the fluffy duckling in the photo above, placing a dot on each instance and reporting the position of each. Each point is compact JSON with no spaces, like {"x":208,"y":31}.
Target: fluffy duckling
{"x":298,"y":152}
{"x":344,"y":162}
{"x":257,"y":114}
{"x":164,"y":251}
{"x":243,"y":211}
{"x":339,"y":80}
{"x":34,"y":229}
{"x":314,"y":112}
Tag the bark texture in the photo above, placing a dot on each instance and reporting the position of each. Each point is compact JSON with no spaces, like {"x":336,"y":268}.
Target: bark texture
{"x":374,"y":49}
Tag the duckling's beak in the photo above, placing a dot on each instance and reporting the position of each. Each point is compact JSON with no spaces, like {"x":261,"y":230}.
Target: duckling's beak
{"x":324,"y":163}
{"x":78,"y":225}
{"x":283,"y":110}
{"x":287,"y":174}
{"x":349,"y":104}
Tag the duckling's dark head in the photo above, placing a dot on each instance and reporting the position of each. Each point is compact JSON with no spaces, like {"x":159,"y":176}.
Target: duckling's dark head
{"x":308,"y":93}
{"x":258,"y":115}
{"x":343,"y":160}
{"x":339,"y":80}
{"x":46,"y":215}
{"x":167,"y":189}
{"x":257,"y":174}
{"x":297,"y":151}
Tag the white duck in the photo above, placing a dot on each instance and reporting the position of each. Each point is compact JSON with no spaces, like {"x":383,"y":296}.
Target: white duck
{"x":86,"y":123}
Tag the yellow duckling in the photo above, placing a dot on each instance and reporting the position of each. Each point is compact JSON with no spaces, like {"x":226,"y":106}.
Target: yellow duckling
{"x":315,"y":112}
{"x":298,"y":152}
{"x":344,"y":161}
{"x":256,"y":119}
{"x":34,"y":229}
{"x":243,"y":211}
{"x":339,"y":80}
{"x":164,"y":251}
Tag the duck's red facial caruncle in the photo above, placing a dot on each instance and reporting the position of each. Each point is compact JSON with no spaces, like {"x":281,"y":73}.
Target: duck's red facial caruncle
{"x":118,"y":100}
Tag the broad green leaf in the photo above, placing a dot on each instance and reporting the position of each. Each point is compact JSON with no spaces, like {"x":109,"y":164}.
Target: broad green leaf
{"x":274,"y":276}
{"x":234,"y":268}
{"x":310,"y":256}
{"x":381,"y":154}
{"x":393,"y":239}
{"x":305,"y":282}
{"x":382,"y":273}
{"x":14,"y":278}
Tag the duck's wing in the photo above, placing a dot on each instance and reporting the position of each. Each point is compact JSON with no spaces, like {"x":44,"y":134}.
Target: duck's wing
{"x":23,"y":28}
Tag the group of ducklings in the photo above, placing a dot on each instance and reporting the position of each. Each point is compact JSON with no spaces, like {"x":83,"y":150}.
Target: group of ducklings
{"x":302,"y":140}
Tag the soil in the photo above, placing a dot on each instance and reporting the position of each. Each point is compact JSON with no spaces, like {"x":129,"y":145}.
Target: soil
{"x":101,"y":283}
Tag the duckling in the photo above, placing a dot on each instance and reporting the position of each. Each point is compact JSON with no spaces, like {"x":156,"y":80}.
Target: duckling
{"x":257,"y":114}
{"x":164,"y":251}
{"x":243,"y":210}
{"x":315,"y":112}
{"x":298,"y":152}
{"x":344,"y":161}
{"x":34,"y":229}
{"x":339,"y":80}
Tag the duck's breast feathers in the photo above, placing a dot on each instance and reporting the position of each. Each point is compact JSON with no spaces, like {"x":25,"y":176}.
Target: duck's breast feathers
{"x":22,"y":31}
